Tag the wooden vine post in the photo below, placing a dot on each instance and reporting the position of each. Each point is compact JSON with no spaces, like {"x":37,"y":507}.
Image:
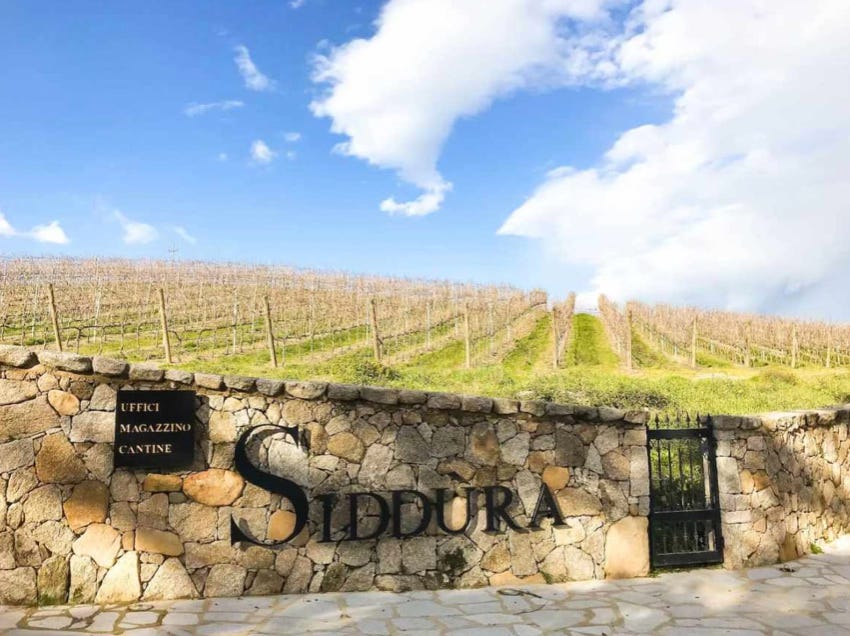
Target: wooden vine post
{"x":794,"y":346}
{"x":163,"y":317}
{"x":829,"y":347}
{"x":555,"y":339}
{"x":54,"y":317}
{"x":747,"y":338}
{"x":270,"y":332}
{"x":466,"y":336}
{"x":694,"y":344}
{"x":628,"y":339}
{"x":376,"y":338}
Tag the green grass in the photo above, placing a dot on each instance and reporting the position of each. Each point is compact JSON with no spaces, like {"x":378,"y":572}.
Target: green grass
{"x":588,"y":345}
{"x":530,"y":352}
{"x":591,"y":375}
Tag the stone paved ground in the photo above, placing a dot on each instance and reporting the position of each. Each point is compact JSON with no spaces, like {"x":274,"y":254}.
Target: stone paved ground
{"x":810,"y":597}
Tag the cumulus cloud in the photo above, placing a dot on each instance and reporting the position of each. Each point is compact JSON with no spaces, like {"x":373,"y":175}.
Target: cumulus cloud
{"x":6,"y":228}
{"x":292,"y":137}
{"x":50,"y":233}
{"x":740,"y":198}
{"x":261,"y":153}
{"x":397,"y":95}
{"x":135,"y":232}
{"x":253,"y":78}
{"x":193,"y":109}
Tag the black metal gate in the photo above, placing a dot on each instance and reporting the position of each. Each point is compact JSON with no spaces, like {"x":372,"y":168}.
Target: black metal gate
{"x":684,"y":512}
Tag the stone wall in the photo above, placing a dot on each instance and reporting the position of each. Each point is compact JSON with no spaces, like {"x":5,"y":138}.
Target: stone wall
{"x":782,"y":483}
{"x":73,"y":529}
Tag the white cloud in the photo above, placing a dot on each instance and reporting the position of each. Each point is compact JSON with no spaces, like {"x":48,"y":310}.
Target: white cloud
{"x":135,"y":232}
{"x":6,"y":228}
{"x":426,"y":203}
{"x":222,"y":156}
{"x":291,"y":154}
{"x":50,"y":233}
{"x":296,"y":4}
{"x":193,"y":109}
{"x":740,"y":198}
{"x":292,"y":137}
{"x":252,"y":76}
{"x":261,"y":153}
{"x":184,"y":234}
{"x":397,"y":95}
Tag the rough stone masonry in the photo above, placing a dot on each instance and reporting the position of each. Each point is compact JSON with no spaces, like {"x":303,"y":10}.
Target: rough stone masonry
{"x":74,"y":529}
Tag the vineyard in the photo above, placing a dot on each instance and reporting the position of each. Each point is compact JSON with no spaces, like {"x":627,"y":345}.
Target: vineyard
{"x":183,"y":312}
{"x":748,"y":340}
{"x":286,"y":322}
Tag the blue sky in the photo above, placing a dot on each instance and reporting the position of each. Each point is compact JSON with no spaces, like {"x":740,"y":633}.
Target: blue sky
{"x":578,"y":153}
{"x":96,"y":123}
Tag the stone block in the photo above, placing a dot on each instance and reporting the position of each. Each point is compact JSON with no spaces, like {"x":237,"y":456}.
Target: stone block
{"x":627,"y":548}
{"x":343,"y":392}
{"x":570,"y":450}
{"x":537,"y":408}
{"x":52,"y":581}
{"x":65,"y":361}
{"x":93,"y":426}
{"x":306,"y":390}
{"x":728,"y":475}
{"x":214,"y":487}
{"x":556,"y":477}
{"x":474,"y":404}
{"x":101,"y":543}
{"x":578,"y":502}
{"x":408,"y":396}
{"x":16,"y":391}
{"x":18,"y":357}
{"x":162,"y":483}
{"x":57,"y":462}
{"x":347,"y":446}
{"x":16,"y":454}
{"x":146,"y":372}
{"x":43,"y":504}
{"x":18,"y":586}
{"x":121,"y":583}
{"x":171,"y":581}
{"x":27,"y":418}
{"x":503,"y":406}
{"x":209,"y":381}
{"x":379,"y":395}
{"x":83,"y":584}
{"x":225,"y":579}
{"x":158,"y":541}
{"x":178,"y":376}
{"x":110,"y":367}
{"x":87,"y":504}
{"x":271,"y":388}
{"x":444,"y":401}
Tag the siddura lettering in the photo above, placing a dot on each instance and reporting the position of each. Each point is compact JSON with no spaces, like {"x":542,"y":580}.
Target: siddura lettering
{"x":393,"y":514}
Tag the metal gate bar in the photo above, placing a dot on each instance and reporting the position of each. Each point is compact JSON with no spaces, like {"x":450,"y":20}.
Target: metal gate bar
{"x":684,"y":512}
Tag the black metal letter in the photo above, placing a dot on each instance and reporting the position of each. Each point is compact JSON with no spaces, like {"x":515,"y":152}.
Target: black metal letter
{"x":328,"y":501}
{"x":352,"y":511}
{"x":497,"y":511}
{"x":284,"y":487}
{"x":440,"y":506}
{"x":423,"y":522}
{"x":551,"y":510}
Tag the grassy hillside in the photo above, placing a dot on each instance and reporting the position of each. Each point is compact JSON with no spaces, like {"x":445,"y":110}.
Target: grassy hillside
{"x":591,"y":375}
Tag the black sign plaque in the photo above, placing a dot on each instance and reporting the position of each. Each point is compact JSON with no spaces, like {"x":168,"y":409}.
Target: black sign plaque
{"x":154,"y":429}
